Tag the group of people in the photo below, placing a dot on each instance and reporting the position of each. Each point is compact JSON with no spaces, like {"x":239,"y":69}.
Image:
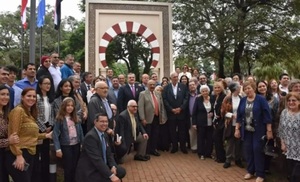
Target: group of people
{"x":95,"y":121}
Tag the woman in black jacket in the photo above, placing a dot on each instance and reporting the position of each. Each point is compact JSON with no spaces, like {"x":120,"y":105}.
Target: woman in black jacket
{"x":218,"y":121}
{"x":202,"y":122}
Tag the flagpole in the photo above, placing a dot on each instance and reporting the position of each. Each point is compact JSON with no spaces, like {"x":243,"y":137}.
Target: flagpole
{"x":41,"y":42}
{"x":58,"y":47}
{"x":22,"y":47}
{"x":32,"y":32}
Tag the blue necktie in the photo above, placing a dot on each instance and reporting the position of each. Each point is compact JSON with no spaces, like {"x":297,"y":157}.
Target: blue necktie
{"x":108,"y":109}
{"x":103,"y":148}
{"x":11,"y":97}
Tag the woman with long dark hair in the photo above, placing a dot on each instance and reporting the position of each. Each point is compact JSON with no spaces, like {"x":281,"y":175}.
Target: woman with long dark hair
{"x":45,"y":123}
{"x":5,"y":141}
{"x":65,"y":89}
{"x":22,"y":120}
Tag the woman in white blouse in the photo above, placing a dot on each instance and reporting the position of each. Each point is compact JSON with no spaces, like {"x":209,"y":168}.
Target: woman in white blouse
{"x":288,"y":131}
{"x":45,"y":123}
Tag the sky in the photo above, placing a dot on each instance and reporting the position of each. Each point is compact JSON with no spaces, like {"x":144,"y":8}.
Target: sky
{"x":68,"y":7}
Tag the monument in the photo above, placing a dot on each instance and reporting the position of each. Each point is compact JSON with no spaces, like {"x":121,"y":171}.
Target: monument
{"x":107,"y":19}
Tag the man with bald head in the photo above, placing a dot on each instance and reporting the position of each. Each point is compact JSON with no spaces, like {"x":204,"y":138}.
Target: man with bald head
{"x":131,"y":130}
{"x":152,"y":113}
{"x":99,"y":104}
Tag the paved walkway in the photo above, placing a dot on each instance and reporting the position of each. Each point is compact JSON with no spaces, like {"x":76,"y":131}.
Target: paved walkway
{"x":180,"y":167}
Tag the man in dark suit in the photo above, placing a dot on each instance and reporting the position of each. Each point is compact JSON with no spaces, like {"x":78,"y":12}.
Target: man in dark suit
{"x":175,"y":96}
{"x":96,"y":162}
{"x":131,"y":130}
{"x":130,"y":91}
{"x":100,"y":104}
{"x":203,"y":81}
{"x":86,"y":85}
{"x":109,"y":77}
{"x":113,"y":91}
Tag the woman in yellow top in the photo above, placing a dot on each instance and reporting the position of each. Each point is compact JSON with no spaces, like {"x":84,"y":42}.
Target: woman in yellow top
{"x":22,"y":120}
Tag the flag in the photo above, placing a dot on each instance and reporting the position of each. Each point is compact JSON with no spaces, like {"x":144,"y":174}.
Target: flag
{"x":57,"y":14}
{"x":23,"y":13}
{"x":41,"y":13}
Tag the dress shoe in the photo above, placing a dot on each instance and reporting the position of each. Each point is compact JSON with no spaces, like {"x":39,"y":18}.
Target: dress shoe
{"x":184,"y":151}
{"x":155,"y":153}
{"x":239,"y":163}
{"x":147,"y":157}
{"x":259,"y":179}
{"x":219,"y":161}
{"x":226,"y":165}
{"x":248,"y":176}
{"x":139,"y":158}
{"x":174,"y":151}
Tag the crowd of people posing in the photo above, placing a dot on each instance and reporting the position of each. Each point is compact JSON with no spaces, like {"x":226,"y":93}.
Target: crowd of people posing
{"x":94,"y":122}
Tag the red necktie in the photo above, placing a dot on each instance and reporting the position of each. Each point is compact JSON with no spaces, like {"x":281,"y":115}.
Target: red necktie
{"x":156,"y":108}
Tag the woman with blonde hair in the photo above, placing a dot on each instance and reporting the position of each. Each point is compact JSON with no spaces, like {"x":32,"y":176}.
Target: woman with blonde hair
{"x":288,"y":132}
{"x":218,"y":121}
{"x":254,"y":121}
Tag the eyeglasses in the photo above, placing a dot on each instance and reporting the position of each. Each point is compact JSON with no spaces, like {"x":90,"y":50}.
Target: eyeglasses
{"x":133,"y":106}
{"x":292,"y":100}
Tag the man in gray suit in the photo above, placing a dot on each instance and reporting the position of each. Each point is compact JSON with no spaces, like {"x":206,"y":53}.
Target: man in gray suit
{"x":113,"y":91}
{"x":152,"y":113}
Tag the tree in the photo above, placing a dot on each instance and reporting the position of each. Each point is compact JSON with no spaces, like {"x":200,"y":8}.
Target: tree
{"x":133,"y":50}
{"x":11,"y":33}
{"x":232,"y":30}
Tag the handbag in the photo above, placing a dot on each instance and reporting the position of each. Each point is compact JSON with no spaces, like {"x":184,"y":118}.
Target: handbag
{"x":271,"y":150}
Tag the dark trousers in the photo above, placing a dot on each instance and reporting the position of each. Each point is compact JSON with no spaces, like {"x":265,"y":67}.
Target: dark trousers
{"x":205,"y":140}
{"x":219,"y":145}
{"x":295,"y":170}
{"x":153,"y":131}
{"x":253,"y":147}
{"x":164,"y":137}
{"x":174,"y":126}
{"x":3,"y":170}
{"x":70,"y":158}
{"x":42,"y":162}
{"x":17,"y":175}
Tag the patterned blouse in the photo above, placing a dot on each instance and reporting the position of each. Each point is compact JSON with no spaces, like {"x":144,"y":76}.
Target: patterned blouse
{"x":3,"y":132}
{"x":289,"y":132}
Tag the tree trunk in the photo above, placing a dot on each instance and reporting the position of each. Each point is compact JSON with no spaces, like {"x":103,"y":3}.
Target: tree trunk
{"x":221,"y":63}
{"x":238,"y":52}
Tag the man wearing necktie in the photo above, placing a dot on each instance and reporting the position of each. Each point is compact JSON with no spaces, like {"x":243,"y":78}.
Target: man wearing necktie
{"x":96,"y":162}
{"x":100,"y":104}
{"x":131,"y":130}
{"x":85,"y":86}
{"x":152,"y":113}
{"x":130,"y":91}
